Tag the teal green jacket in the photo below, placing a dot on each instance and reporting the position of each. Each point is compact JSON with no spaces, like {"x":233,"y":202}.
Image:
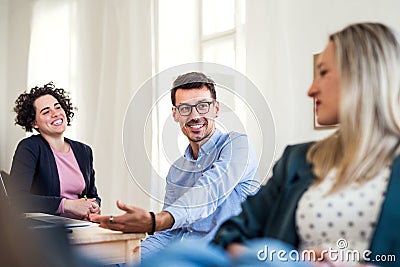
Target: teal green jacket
{"x":271,"y":212}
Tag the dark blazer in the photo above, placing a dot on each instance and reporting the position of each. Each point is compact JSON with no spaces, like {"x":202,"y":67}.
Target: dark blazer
{"x":34,"y":180}
{"x":271,"y":212}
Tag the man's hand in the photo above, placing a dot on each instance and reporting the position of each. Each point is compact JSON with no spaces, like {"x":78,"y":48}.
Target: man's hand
{"x":135,"y":220}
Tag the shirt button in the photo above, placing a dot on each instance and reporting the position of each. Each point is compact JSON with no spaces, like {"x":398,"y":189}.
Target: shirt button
{"x":199,"y":166}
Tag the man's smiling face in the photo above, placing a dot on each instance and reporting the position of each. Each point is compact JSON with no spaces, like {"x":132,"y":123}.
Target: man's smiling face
{"x":197,"y":127}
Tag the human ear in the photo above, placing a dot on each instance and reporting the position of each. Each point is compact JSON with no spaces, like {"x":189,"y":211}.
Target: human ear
{"x":175,"y":114}
{"x":216,"y":108}
{"x":34,"y":125}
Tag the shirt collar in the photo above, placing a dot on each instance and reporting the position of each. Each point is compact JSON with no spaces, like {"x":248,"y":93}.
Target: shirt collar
{"x":206,"y":148}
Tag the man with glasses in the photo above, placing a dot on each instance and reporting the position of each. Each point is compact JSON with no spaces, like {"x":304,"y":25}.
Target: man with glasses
{"x":206,"y":185}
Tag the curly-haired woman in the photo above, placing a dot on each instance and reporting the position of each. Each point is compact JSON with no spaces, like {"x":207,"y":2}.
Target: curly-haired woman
{"x":51,"y":173}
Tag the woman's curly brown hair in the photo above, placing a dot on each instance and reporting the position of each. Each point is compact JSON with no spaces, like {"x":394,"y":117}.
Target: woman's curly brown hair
{"x":26,"y":112}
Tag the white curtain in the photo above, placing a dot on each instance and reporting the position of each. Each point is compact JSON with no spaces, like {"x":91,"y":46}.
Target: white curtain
{"x":100,"y":50}
{"x":15,"y":25}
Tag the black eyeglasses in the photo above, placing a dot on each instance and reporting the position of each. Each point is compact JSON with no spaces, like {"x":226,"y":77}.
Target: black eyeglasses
{"x":202,"y":107}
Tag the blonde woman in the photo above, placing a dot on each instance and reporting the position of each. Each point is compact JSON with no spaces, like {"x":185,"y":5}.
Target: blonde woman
{"x":341,"y":193}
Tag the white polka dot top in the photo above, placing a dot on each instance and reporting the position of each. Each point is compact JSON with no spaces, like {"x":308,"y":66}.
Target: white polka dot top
{"x":350,"y":214}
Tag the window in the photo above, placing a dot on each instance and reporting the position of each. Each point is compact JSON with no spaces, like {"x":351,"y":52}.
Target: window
{"x":221,"y":40}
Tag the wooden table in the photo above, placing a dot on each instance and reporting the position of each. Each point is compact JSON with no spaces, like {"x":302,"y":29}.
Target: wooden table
{"x":105,"y":245}
{"x":110,"y":247}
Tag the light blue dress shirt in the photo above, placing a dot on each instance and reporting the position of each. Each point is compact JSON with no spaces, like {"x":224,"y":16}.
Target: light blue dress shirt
{"x":201,"y":194}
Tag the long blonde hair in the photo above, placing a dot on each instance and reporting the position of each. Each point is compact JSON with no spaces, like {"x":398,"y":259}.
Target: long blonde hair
{"x":367,"y":139}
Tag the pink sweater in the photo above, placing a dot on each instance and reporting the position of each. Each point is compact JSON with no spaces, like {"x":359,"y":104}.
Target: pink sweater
{"x":72,"y":182}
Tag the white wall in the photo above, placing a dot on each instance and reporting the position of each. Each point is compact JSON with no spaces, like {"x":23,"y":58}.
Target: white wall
{"x":282,"y":36}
